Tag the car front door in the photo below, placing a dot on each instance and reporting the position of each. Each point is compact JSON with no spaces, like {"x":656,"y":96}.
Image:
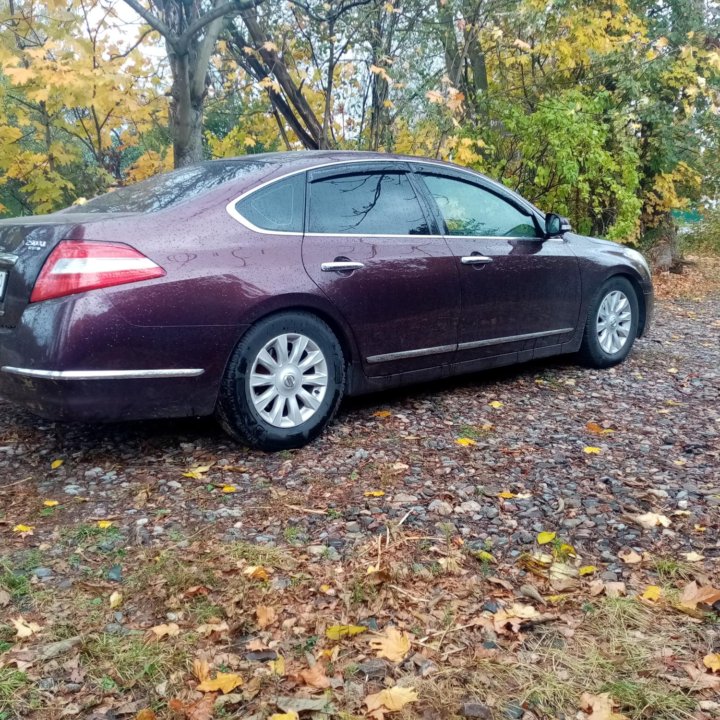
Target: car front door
{"x":372,"y":247}
{"x":519,"y":290}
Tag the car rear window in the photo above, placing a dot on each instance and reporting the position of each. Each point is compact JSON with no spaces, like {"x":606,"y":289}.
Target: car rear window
{"x":168,"y":189}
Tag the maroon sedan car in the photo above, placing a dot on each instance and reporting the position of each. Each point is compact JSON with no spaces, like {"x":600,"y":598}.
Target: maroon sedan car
{"x":264,"y":288}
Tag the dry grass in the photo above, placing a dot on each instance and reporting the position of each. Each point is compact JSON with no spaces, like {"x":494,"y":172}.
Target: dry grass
{"x":614,"y":650}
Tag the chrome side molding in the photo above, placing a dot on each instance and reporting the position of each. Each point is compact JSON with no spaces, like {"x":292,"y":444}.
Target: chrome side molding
{"x":438,"y":350}
{"x":102,"y":374}
{"x":420,"y":352}
{"x":513,"y":338}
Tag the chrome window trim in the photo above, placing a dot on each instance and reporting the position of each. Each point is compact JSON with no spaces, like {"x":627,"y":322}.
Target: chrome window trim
{"x":232,"y":211}
{"x":439,"y":349}
{"x":102,"y":374}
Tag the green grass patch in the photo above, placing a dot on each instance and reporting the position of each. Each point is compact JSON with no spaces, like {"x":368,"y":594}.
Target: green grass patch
{"x":130,"y":660}
{"x":13,"y":691}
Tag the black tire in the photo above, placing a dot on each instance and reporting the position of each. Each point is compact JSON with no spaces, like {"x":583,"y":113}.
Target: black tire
{"x":236,"y":411}
{"x":591,"y":351}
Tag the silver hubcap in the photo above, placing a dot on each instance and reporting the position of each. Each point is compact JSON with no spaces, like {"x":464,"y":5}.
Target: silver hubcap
{"x":614,"y":319}
{"x":288,"y":380}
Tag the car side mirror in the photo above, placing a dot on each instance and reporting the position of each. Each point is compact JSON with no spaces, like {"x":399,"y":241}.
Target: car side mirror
{"x":556,"y":226}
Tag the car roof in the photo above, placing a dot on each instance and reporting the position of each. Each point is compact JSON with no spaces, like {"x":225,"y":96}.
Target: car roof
{"x":298,"y":160}
{"x":308,"y":158}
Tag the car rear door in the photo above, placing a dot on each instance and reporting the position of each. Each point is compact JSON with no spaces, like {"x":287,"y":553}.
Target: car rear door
{"x":372,"y":247}
{"x":519,"y":291}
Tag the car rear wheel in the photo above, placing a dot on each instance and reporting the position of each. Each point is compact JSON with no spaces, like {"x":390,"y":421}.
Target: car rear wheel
{"x":284,"y":382}
{"x":611,"y":325}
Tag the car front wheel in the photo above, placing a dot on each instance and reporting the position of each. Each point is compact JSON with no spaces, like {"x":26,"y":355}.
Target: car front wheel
{"x":611,"y":325}
{"x":284,"y":382}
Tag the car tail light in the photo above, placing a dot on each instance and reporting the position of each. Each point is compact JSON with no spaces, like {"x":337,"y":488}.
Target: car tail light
{"x":75,"y":266}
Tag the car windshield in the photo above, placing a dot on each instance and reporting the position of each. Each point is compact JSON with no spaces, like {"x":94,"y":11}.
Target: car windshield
{"x":163,"y":191}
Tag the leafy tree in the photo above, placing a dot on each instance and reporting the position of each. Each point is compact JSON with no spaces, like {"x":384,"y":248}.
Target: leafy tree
{"x":190,"y":29}
{"x":73,"y":101}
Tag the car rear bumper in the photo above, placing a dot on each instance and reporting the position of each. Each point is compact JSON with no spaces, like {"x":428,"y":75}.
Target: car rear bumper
{"x":79,"y":359}
{"x":104,"y":400}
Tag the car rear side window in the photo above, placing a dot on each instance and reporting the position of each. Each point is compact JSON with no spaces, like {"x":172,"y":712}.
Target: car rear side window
{"x":369,"y":203}
{"x":277,"y":207}
{"x":468,"y":209}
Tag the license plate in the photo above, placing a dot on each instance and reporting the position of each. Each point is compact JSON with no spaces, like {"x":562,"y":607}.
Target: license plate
{"x":3,"y":283}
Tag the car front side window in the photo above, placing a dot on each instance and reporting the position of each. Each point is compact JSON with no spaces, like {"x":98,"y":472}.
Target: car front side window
{"x":470,"y":210}
{"x":365,"y":203}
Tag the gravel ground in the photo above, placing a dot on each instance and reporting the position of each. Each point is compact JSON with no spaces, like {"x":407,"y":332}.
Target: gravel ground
{"x":525,"y":433}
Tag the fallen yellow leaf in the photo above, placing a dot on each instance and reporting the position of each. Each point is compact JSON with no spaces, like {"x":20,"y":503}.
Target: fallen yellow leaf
{"x":23,"y":628}
{"x":483,"y":555}
{"x":256,"y":572}
{"x":496,"y":404}
{"x":116,"y":599}
{"x":712,"y":662}
{"x":393,"y":645}
{"x":146,"y":714}
{"x":315,"y":677}
{"x":55,"y":464}
{"x":382,"y":413}
{"x":465,"y":442}
{"x":265,"y":615}
{"x":292,"y":715}
{"x":392,"y":699}
{"x":651,"y":520}
{"x":197,"y":472}
{"x":653,"y":593}
{"x":593,"y":427}
{"x":629,"y":556}
{"x":600,"y":707}
{"x":50,"y":503}
{"x":694,"y":557}
{"x":506,"y":495}
{"x":229,"y":489}
{"x":24,"y":529}
{"x":335,"y":632}
{"x":277,"y":666}
{"x":590,"y":450}
{"x":587,"y":570}
{"x":514,"y":616}
{"x":374,"y":493}
{"x":165,"y":630}
{"x":225,"y":682}
{"x":544,"y":538}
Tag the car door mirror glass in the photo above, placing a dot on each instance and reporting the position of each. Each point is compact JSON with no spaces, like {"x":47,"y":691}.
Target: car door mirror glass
{"x":554,"y":225}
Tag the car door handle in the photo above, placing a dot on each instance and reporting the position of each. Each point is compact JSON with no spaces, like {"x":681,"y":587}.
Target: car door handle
{"x":475,"y":260}
{"x":341,"y":266}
